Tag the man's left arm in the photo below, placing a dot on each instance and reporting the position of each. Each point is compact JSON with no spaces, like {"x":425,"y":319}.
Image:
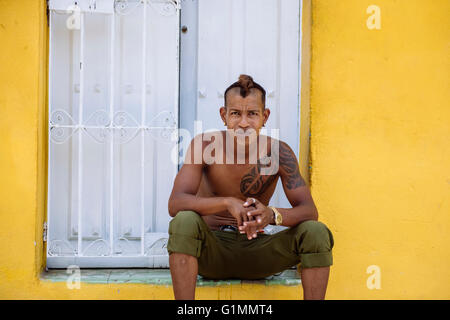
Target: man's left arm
{"x":296,"y":190}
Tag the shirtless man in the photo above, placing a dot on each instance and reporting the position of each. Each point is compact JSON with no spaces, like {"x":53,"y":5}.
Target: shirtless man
{"x":220,"y":208}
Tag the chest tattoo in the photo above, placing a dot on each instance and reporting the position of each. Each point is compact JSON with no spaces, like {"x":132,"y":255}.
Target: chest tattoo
{"x":253,"y":183}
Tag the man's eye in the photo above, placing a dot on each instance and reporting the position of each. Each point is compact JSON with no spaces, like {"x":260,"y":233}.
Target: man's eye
{"x":234,"y":113}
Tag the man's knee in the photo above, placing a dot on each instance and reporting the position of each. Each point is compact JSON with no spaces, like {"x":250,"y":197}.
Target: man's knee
{"x":186,"y":223}
{"x":314,"y":236}
{"x":186,"y":233}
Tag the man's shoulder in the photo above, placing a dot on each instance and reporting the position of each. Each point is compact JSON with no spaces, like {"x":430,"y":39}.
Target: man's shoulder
{"x":278,"y":144}
{"x":207,"y":137}
{"x":196,"y":149}
{"x":283,"y":155}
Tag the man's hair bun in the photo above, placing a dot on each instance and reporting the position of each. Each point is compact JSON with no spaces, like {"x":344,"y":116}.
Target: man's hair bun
{"x":245,"y":84}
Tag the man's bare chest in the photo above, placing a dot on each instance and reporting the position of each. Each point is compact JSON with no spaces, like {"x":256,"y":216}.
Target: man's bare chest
{"x":240,"y":181}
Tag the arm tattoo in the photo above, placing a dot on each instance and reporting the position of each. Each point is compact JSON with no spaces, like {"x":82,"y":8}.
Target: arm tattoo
{"x":253,"y":184}
{"x":289,"y":165}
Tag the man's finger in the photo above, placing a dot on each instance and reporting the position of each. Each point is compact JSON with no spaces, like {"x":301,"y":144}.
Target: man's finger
{"x":239,"y":220}
{"x":247,"y":209}
{"x":249,"y":202}
{"x":256,"y":212}
{"x":244,"y":217}
{"x":251,"y":232}
{"x":255,"y":224}
{"x":249,"y":216}
{"x":250,"y":224}
{"x":248,"y":228}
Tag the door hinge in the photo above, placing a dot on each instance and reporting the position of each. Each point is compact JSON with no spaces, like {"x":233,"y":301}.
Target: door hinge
{"x":177,"y":4}
{"x":48,"y":14}
{"x":44,"y":234}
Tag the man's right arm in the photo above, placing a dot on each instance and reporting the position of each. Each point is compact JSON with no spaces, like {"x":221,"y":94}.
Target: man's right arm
{"x":185,"y":188}
{"x":184,"y":191}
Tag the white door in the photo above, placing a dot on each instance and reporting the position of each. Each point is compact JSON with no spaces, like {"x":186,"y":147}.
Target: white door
{"x":221,"y":39}
{"x":113,"y":104}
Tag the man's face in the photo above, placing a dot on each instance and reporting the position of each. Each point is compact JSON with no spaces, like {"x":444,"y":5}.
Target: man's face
{"x":244,"y":115}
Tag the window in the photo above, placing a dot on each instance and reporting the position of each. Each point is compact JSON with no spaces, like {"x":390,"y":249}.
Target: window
{"x":113,"y":104}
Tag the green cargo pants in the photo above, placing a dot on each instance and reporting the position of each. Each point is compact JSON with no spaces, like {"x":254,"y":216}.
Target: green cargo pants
{"x":230,"y":255}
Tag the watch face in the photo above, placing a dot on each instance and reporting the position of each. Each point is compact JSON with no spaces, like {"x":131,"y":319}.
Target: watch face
{"x":278,"y":219}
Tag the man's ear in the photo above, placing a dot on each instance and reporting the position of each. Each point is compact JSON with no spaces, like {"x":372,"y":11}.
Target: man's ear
{"x":266,"y":115}
{"x":223,"y":114}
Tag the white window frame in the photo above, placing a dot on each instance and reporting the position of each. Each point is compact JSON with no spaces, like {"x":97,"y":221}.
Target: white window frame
{"x":111,"y":128}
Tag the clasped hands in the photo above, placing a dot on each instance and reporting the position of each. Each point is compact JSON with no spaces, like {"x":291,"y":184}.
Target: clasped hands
{"x":251,"y":216}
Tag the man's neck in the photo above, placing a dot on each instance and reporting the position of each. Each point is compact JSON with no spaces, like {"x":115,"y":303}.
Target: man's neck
{"x":249,"y":152}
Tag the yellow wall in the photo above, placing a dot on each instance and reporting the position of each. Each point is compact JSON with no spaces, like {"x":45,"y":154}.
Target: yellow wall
{"x":379,"y":124}
{"x":22,"y":159}
{"x":380,"y":149}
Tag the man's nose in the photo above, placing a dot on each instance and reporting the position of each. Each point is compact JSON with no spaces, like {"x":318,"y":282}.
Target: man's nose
{"x":244,"y":123}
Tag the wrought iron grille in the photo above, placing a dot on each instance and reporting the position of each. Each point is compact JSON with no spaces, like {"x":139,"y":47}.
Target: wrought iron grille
{"x":113,"y":105}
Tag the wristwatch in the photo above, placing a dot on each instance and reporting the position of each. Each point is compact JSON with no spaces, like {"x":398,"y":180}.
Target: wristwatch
{"x":277,"y":216}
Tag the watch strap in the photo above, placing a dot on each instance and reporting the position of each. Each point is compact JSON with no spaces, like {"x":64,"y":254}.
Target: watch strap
{"x":277,"y":216}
